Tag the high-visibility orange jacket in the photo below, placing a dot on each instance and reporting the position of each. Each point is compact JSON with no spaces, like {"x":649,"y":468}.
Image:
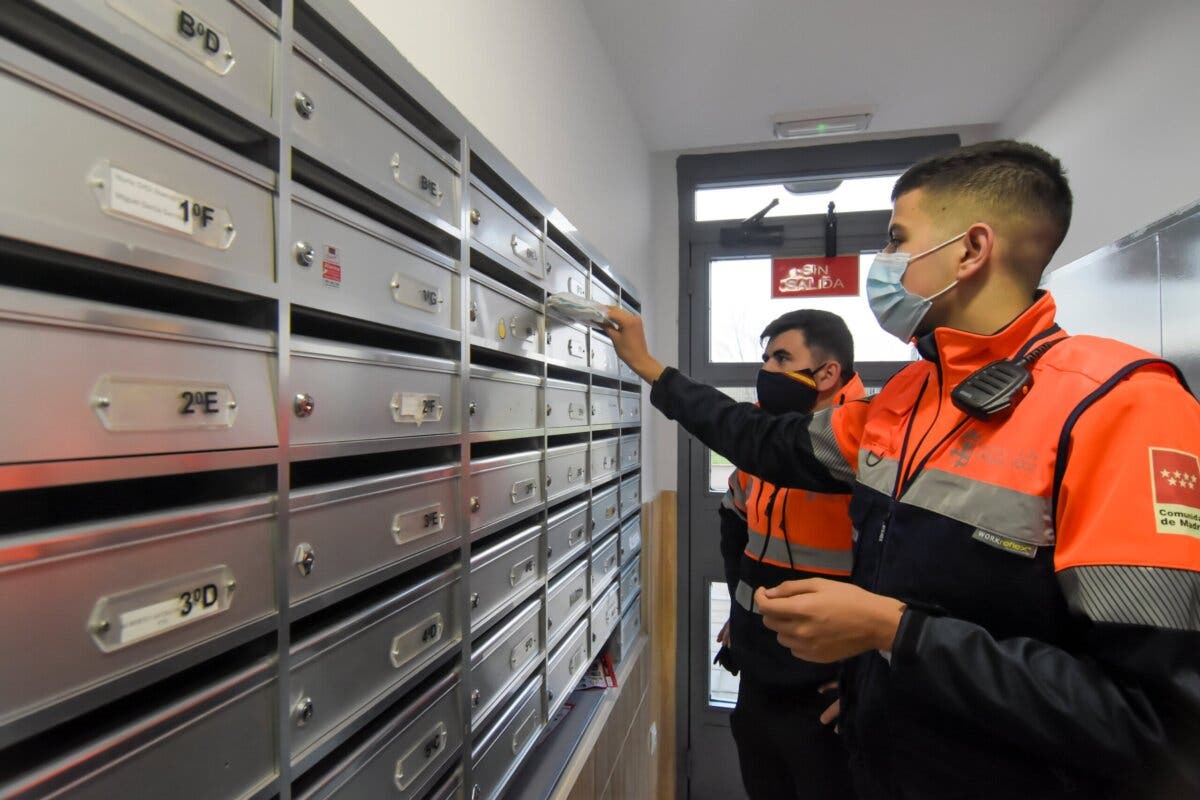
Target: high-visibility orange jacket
{"x":1050,"y":561}
{"x":771,"y":534}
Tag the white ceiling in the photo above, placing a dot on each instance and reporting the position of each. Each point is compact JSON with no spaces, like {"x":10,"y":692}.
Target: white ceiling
{"x":712,"y":73}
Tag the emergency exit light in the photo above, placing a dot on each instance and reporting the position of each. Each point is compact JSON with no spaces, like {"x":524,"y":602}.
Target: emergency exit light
{"x":790,"y":126}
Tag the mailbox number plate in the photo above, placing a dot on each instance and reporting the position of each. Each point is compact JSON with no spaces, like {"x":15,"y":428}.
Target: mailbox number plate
{"x":181,"y":28}
{"x":125,"y":403}
{"x":121,"y":619}
{"x":131,"y":197}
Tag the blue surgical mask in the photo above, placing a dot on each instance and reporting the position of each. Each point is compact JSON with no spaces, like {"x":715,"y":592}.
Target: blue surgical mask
{"x":898,"y":310}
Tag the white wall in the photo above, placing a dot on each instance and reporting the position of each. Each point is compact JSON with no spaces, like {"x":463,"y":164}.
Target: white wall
{"x":531,"y":75}
{"x":1121,"y":108}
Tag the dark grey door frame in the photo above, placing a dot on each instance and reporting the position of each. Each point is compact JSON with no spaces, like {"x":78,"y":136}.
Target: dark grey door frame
{"x":699,"y":243}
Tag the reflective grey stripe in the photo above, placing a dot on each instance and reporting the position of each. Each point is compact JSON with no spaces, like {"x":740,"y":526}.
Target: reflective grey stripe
{"x":825,"y":447}
{"x":996,"y":509}
{"x":1151,"y":596}
{"x":735,"y":494}
{"x":728,"y":502}
{"x":877,"y":472}
{"x":744,"y":594}
{"x":803,"y":557}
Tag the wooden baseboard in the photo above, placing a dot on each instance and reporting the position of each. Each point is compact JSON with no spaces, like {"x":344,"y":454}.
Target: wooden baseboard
{"x":661,"y":619}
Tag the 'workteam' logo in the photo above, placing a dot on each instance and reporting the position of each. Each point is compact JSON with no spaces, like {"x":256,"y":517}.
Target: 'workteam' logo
{"x":1175,"y":480}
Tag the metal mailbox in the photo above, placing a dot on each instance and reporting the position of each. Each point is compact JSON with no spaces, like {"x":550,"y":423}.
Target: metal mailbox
{"x":566,"y":470}
{"x":348,"y":264}
{"x":566,"y":535}
{"x":345,"y":532}
{"x":505,"y":488}
{"x":566,"y":404}
{"x":127,"y":382}
{"x":340,"y":123}
{"x":345,"y":393}
{"x":503,"y":574}
{"x":504,"y":401}
{"x":340,"y":671}
{"x":503,"y":657}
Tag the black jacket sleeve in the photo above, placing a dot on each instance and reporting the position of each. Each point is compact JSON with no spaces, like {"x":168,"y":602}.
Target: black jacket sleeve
{"x":1129,"y":711}
{"x":779,"y":449}
{"x":733,"y":542}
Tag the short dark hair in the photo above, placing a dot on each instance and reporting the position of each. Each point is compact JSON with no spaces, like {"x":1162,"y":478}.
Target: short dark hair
{"x":1004,"y":174}
{"x":825,"y":334}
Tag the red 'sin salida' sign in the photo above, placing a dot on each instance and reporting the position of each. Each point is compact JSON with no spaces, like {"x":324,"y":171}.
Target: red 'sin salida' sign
{"x":814,"y":276}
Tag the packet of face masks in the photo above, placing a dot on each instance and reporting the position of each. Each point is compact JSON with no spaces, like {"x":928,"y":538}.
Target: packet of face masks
{"x":577,"y":309}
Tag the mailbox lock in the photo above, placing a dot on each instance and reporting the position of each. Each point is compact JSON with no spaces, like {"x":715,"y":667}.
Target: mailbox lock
{"x":304,"y":105}
{"x":303,"y":712}
{"x":304,"y":405}
{"x":305,"y":558}
{"x":304,"y":254}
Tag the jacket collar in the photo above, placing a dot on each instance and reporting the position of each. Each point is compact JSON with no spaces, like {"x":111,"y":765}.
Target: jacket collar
{"x":959,"y":353}
{"x":853,"y":390}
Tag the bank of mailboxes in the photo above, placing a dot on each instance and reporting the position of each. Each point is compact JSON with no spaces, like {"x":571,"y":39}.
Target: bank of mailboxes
{"x":461,"y":533}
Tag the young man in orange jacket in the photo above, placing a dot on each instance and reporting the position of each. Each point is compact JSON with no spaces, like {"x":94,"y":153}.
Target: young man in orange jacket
{"x":1024,"y":614}
{"x":769,"y":535}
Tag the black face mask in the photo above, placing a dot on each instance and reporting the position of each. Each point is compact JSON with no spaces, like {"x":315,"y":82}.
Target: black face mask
{"x":781,"y":392}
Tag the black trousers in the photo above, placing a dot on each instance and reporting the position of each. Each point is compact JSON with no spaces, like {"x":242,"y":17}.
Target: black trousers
{"x":784,"y":750}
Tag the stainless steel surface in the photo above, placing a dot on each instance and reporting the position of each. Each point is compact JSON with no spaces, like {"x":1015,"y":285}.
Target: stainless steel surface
{"x":631,"y":581}
{"x":364,"y":393}
{"x":602,"y":460}
{"x":605,"y":515}
{"x":503,"y":574}
{"x":1179,"y":268}
{"x":351,"y":265}
{"x":605,"y":564}
{"x":564,"y":274}
{"x":631,"y":406}
{"x":213,"y":46}
{"x":359,"y":660}
{"x":497,"y":753}
{"x":605,"y":614}
{"x":566,"y":404}
{"x":566,"y":343}
{"x":566,"y":536}
{"x":403,"y":756}
{"x":630,"y":628}
{"x":502,"y":401}
{"x":606,"y":406}
{"x":504,"y":657}
{"x":566,"y":470}
{"x":120,"y":195}
{"x":1095,"y":294}
{"x":602,"y":294}
{"x":359,"y":531}
{"x":505,"y":488}
{"x":268,"y":240}
{"x":506,"y":237}
{"x":566,"y":600}
{"x":631,"y":538}
{"x":351,"y":131}
{"x":602,"y":356}
{"x":500,"y":319}
{"x":631,"y":452}
{"x":94,"y":602}
{"x":566,"y":666}
{"x":631,"y":495}
{"x":194,"y":747}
